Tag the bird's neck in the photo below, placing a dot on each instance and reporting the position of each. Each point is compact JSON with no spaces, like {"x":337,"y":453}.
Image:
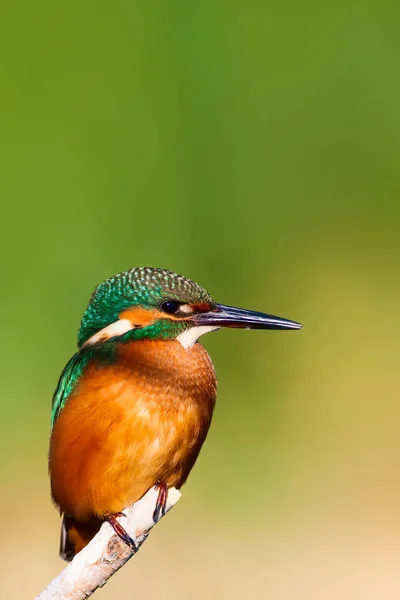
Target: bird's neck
{"x":167,"y":364}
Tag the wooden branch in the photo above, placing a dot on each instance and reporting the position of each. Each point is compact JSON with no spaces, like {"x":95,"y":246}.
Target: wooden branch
{"x":106,"y":553}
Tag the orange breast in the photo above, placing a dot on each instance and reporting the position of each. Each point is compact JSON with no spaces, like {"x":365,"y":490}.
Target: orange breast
{"x":129,"y":424}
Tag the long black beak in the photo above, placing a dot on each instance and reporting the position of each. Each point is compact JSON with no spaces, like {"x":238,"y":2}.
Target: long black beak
{"x":229,"y":316}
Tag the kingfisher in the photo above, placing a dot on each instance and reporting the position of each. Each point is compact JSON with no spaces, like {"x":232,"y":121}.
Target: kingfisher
{"x":134,"y":404}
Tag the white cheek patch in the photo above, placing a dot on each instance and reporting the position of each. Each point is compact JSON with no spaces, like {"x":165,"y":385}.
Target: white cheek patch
{"x":190,"y":336}
{"x":114,"y":329}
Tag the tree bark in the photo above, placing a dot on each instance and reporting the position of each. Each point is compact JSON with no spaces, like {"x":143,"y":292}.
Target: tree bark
{"x":106,"y":553}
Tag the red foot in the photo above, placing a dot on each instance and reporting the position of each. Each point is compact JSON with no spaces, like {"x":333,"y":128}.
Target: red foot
{"x":161,"y":503}
{"x":120,"y":531}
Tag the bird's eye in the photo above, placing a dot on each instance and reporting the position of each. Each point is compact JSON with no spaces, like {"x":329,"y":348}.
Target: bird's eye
{"x":170,"y":306}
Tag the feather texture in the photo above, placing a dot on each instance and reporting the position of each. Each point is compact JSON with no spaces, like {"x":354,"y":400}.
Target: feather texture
{"x":129,"y":423}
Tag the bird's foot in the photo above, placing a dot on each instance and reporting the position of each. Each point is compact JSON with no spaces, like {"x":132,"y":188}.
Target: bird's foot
{"x":120,"y":531}
{"x":161,"y":503}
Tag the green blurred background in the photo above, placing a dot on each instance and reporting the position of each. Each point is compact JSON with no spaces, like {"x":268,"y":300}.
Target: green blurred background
{"x":253,"y":147}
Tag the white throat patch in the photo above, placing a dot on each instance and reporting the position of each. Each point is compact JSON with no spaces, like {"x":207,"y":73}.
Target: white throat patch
{"x":117,"y":328}
{"x":187,"y":338}
{"x":190,"y":336}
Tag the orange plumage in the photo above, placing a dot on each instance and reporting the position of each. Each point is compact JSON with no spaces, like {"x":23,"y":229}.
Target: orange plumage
{"x":133,"y":406}
{"x":127,"y":425}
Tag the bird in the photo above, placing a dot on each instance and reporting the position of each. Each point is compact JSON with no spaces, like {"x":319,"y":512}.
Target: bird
{"x":134,"y":404}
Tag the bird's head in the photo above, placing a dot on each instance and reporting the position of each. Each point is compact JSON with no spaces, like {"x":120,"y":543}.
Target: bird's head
{"x":148,"y":303}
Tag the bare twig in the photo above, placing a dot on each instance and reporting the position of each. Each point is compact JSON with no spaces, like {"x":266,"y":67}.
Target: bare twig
{"x":106,"y":553}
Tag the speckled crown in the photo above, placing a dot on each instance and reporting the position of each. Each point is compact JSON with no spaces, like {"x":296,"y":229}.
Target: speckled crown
{"x":138,"y":286}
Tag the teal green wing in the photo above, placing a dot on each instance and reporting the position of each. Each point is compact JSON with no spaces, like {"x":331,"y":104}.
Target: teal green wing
{"x":68,"y":379}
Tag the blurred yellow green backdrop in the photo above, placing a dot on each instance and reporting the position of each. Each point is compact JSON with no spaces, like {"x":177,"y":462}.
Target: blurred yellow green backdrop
{"x":254,"y":147}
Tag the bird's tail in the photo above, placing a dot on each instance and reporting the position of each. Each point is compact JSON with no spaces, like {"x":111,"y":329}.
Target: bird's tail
{"x":75,"y":535}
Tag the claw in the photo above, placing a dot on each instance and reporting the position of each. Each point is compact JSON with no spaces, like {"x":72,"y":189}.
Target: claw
{"x":161,"y":503}
{"x":120,"y":531}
